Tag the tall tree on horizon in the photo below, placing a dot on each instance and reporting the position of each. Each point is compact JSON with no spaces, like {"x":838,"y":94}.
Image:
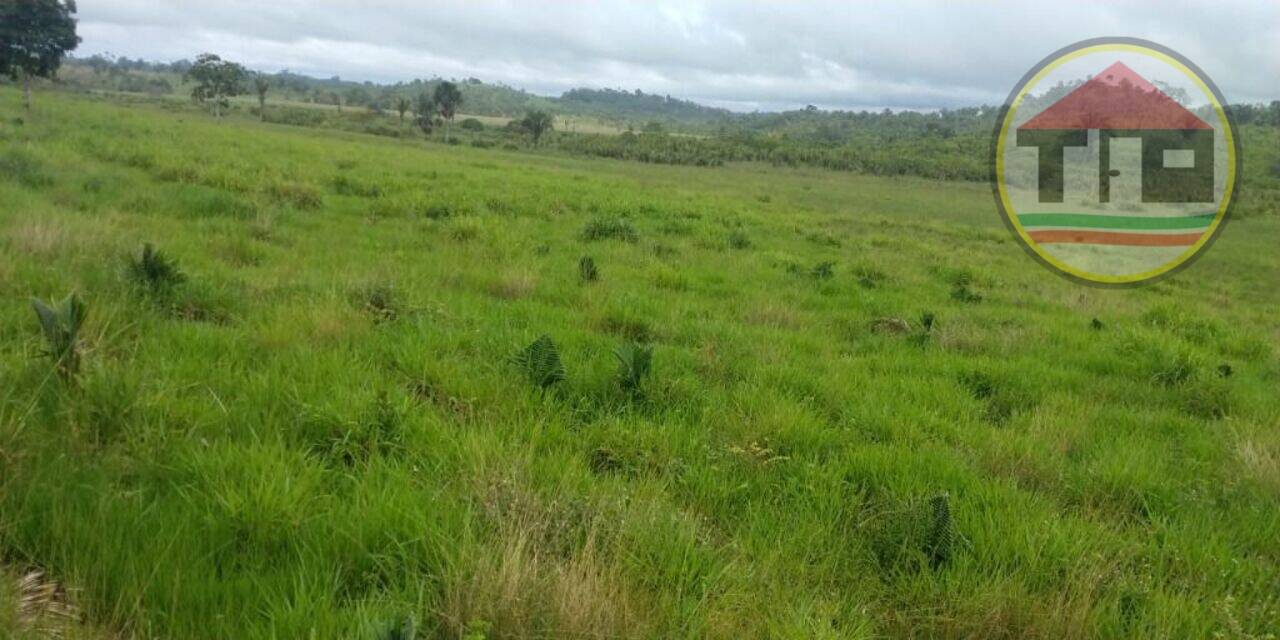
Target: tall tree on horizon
{"x":537,"y":123}
{"x":425,"y":113}
{"x":447,"y":98}
{"x":216,"y":80}
{"x":34,"y":37}
{"x":261,"y":84}
{"x":402,"y":105}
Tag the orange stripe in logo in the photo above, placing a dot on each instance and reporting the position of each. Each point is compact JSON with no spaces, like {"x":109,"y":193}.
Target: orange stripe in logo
{"x":1068,"y":236}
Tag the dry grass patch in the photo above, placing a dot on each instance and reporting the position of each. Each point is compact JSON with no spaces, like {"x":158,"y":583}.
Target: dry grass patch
{"x":1260,"y":459}
{"x":38,"y":237}
{"x":550,"y":575}
{"x":774,"y":316}
{"x":36,"y":607}
{"x":512,"y":285}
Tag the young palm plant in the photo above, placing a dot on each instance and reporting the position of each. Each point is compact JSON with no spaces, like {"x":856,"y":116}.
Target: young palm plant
{"x":61,"y":324}
{"x":154,"y":272}
{"x":635,"y":362}
{"x":540,"y":362}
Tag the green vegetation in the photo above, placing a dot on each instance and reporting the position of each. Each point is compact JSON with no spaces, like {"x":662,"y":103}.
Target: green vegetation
{"x":791,"y":402}
{"x":949,"y":144}
{"x":35,"y":35}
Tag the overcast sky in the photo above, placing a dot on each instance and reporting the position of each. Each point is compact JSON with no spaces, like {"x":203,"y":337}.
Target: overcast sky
{"x":740,"y":55}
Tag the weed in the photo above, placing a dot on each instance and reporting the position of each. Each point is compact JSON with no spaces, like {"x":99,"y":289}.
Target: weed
{"x":927,"y":320}
{"x":961,"y":292}
{"x":345,"y":185}
{"x":609,"y":229}
{"x":379,"y":301}
{"x":401,"y":628}
{"x":823,"y":271}
{"x":61,"y":324}
{"x":25,"y":168}
{"x":869,"y":277}
{"x":300,"y":195}
{"x":891,"y":325}
{"x":587,"y":270}
{"x":437,"y":211}
{"x":739,"y":240}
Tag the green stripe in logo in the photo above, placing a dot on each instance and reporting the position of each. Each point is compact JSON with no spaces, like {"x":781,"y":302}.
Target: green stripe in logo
{"x":1091,"y":221}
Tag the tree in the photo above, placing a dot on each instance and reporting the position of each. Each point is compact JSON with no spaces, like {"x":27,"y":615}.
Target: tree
{"x":402,"y":105}
{"x":262,"y":84}
{"x":537,"y":123}
{"x":216,"y":80}
{"x":34,"y":37}
{"x":357,"y":96}
{"x":447,"y":98}
{"x":425,"y":113}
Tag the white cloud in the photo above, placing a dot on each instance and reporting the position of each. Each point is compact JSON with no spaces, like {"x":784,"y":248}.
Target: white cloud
{"x":739,"y":54}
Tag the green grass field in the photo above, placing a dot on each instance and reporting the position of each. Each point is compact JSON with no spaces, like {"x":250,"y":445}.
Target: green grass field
{"x":870,"y":413}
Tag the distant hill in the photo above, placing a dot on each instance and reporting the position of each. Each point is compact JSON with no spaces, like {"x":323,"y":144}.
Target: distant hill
{"x":620,"y":107}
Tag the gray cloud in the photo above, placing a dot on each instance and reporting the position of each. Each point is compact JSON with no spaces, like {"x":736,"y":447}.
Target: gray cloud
{"x":742,"y":55}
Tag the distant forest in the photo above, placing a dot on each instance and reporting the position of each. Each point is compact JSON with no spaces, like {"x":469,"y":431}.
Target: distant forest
{"x":949,"y":144}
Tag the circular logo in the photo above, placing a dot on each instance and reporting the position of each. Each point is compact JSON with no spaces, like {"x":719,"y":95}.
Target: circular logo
{"x":1115,"y":162}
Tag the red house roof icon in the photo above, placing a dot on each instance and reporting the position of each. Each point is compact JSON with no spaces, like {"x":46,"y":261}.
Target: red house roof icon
{"x":1117,"y":98}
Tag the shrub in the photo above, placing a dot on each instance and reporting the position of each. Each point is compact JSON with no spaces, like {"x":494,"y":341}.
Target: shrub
{"x":61,"y":324}
{"x":609,"y":229}
{"x":540,"y":362}
{"x":154,"y":272}
{"x":471,"y":124}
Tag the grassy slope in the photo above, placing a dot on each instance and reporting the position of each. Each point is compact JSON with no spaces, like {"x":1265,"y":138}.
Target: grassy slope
{"x":264,"y":456}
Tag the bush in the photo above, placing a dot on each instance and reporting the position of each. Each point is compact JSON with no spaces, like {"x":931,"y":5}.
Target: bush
{"x":471,"y":124}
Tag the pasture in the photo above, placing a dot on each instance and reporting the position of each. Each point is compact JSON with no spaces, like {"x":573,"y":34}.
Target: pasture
{"x":868,"y":413}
